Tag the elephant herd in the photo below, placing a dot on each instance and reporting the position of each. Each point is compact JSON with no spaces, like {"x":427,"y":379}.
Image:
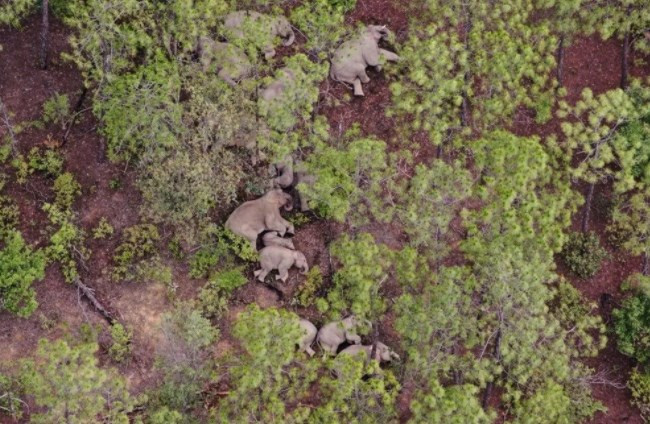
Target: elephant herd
{"x":348,"y":63}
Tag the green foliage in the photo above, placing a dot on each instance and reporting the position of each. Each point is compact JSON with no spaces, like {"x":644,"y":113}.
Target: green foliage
{"x":583,"y":254}
{"x":631,"y":222}
{"x":364,"y":268}
{"x":67,"y":384}
{"x":10,"y":402}
{"x":20,"y":266}
{"x":219,"y":246}
{"x":213,"y":297}
{"x":103,"y":230}
{"x":49,"y":162}
{"x":15,"y":11}
{"x":457,"y":404}
{"x":639,"y":385}
{"x":56,"y":110}
{"x":306,"y":293}
{"x":267,"y":377}
{"x":120,"y":342}
{"x":632,"y":327}
{"x":432,"y":200}
{"x":348,"y":181}
{"x":619,"y":17}
{"x":9,"y":211}
{"x":66,"y":242}
{"x":66,"y":189}
{"x":138,"y":244}
{"x":374,"y":397}
{"x":164,"y":415}
{"x":322,"y":23}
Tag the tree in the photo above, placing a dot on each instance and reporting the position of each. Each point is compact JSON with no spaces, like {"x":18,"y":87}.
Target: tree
{"x":66,"y":381}
{"x":20,"y":266}
{"x":469,"y":65}
{"x":268,"y":379}
{"x":631,"y":221}
{"x":13,"y":12}
{"x":322,"y":23}
{"x":631,"y":326}
{"x":456,"y":404}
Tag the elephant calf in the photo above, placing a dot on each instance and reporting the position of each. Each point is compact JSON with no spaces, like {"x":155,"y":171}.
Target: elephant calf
{"x":272,"y":238}
{"x":382,"y":352}
{"x":307,"y":340}
{"x":331,"y":335}
{"x":282,"y":259}
{"x":351,"y":59}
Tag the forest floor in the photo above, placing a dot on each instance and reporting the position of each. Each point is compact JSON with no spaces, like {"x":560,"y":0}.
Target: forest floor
{"x":590,"y":62}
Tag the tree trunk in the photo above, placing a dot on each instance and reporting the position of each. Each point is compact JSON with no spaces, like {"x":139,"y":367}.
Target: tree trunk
{"x":464,"y":108}
{"x":560,"y":60}
{"x":625,"y":60}
{"x":490,"y":385}
{"x":645,"y":264}
{"x":89,"y":293}
{"x":45,"y":33}
{"x":75,"y":112}
{"x":587,"y":213}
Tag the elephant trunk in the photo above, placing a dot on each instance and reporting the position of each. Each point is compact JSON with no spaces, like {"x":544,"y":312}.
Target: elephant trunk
{"x":305,"y":269}
{"x":289,"y":41}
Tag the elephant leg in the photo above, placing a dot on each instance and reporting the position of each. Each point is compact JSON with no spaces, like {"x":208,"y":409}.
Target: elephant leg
{"x":329,"y":348}
{"x":309,"y":351}
{"x":358,"y":91}
{"x":283,"y":273}
{"x":261,"y":274}
{"x":364,"y":77}
{"x":390,"y":56}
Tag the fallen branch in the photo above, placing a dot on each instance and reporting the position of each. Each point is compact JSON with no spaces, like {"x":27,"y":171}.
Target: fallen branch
{"x":89,"y":293}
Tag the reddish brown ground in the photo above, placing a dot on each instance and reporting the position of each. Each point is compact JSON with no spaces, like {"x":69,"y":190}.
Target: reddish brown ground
{"x":590,"y":62}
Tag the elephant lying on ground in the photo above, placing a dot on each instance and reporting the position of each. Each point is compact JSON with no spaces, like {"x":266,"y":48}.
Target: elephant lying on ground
{"x":310,"y":334}
{"x":351,"y":59}
{"x":277,"y":87}
{"x":282,"y":259}
{"x":255,"y":216}
{"x":272,"y":238}
{"x":382,"y":352}
{"x":230,"y":62}
{"x":283,"y":172}
{"x":236,"y":22}
{"x":331,"y":335}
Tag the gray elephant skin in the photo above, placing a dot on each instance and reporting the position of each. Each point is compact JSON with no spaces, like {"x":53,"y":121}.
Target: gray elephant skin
{"x":277,"y":26}
{"x":331,"y":335}
{"x":310,"y":331}
{"x":255,"y":216}
{"x":282,"y":259}
{"x":382,"y":353}
{"x":231,"y":63}
{"x":350,"y":60}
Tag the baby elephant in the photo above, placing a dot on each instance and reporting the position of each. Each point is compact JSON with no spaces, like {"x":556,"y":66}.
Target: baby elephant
{"x":351,"y":59}
{"x":333,"y":334}
{"x":272,"y":238}
{"x":382,"y":353}
{"x":280,"y":258}
{"x":310,"y":334}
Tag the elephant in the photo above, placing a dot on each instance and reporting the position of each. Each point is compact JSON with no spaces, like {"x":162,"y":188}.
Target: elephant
{"x":272,"y":238}
{"x":280,"y":258}
{"x":255,"y":216}
{"x":277,"y":26}
{"x":350,"y":60}
{"x":283,"y":172}
{"x":382,"y":353}
{"x":331,"y":335}
{"x":277,"y":87}
{"x":310,"y":334}
{"x":307,"y":179}
{"x":231,"y":62}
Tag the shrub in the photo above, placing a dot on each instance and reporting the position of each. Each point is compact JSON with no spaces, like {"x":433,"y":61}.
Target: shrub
{"x":103,"y":229}
{"x":120,"y":342}
{"x":639,"y":385}
{"x":583,"y":254}
{"x":19,"y":268}
{"x":8,"y":211}
{"x":66,"y":188}
{"x":66,"y":243}
{"x":632,"y":327}
{"x":214,"y":296}
{"x":56,"y":110}
{"x":10,"y":402}
{"x":306,"y":294}
{"x":138,"y":245}
{"x":219,"y":244}
{"x":48,"y":161}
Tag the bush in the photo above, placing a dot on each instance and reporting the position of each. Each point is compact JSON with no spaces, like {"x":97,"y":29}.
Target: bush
{"x":639,"y":385}
{"x":10,"y":402}
{"x":103,"y":229}
{"x":57,"y":110}
{"x":138,"y":245}
{"x":19,"y":268}
{"x":66,"y":243}
{"x":120,"y":342}
{"x":306,"y":294}
{"x":214,"y":296}
{"x":48,"y":161}
{"x":583,"y":254}
{"x":66,"y":188}
{"x":219,"y":245}
{"x":632,"y":327}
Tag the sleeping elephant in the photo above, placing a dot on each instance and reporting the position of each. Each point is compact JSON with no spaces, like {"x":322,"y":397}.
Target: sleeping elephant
{"x":272,"y":238}
{"x":285,"y":78}
{"x":230,"y":62}
{"x":255,"y":216}
{"x":282,"y":259}
{"x":306,"y":341}
{"x":352,"y":57}
{"x":279,"y":26}
{"x":382,"y":353}
{"x":331,"y":335}
{"x":283,"y":173}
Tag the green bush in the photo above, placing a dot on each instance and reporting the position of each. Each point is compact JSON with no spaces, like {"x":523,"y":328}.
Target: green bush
{"x":66,"y":242}
{"x":639,"y":385}
{"x":219,"y":246}
{"x":103,"y":229}
{"x":138,"y":244}
{"x":66,"y":188}
{"x":56,"y":110}
{"x":19,"y":268}
{"x":120,"y":342}
{"x":306,"y":293}
{"x":583,"y":254}
{"x":632,"y":327}
{"x":10,"y":402}
{"x":214,"y":296}
{"x":8,"y":211}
